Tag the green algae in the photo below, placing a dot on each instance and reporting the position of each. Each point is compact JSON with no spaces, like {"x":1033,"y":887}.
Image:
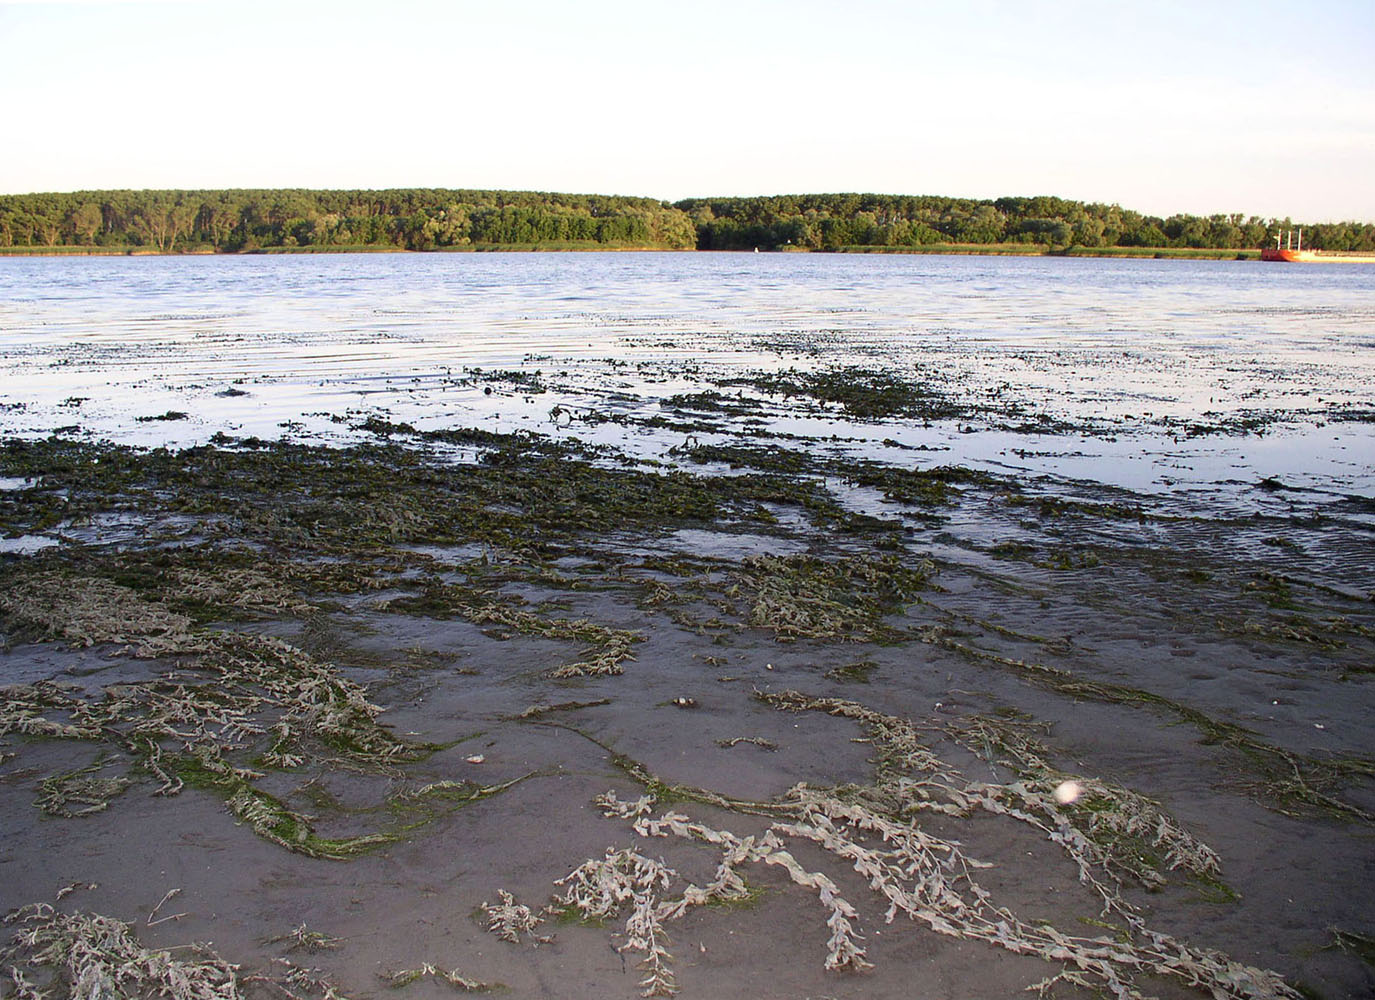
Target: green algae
{"x":858,"y":672}
{"x":1058,"y":507}
{"x":845,"y":599}
{"x":938,"y":486}
{"x":862,"y":393}
{"x":782,"y":460}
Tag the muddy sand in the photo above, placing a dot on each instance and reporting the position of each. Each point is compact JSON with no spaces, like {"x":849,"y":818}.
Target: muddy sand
{"x":287,"y":720}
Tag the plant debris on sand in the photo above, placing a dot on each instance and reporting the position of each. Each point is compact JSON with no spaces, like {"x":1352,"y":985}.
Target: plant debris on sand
{"x":336,"y":650}
{"x":875,"y":829}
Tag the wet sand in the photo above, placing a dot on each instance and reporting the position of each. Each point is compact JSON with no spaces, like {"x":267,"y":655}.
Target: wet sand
{"x":1143,"y":652}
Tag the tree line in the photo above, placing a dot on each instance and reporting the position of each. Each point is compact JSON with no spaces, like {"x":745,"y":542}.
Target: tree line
{"x":833,"y":221}
{"x":435,"y":219}
{"x":410,"y":219}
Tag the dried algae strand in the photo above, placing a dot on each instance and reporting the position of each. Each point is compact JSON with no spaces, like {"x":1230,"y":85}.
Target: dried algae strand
{"x":508,"y":920}
{"x":85,"y":611}
{"x":602,"y":888}
{"x":874,"y":830}
{"x":623,"y":881}
{"x":88,"y":956}
{"x":78,"y":793}
{"x":25,"y":709}
{"x":456,"y":979}
{"x":241,"y":588}
{"x":930,"y":880}
{"x":1110,"y":831}
{"x":1124,"y":829}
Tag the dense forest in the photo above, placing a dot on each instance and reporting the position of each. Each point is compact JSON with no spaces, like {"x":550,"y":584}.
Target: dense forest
{"x":410,"y":219}
{"x":437,"y":219}
{"x":833,"y":221}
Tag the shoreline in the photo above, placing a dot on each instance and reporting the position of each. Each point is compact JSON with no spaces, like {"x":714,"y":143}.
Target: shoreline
{"x":951,"y":250}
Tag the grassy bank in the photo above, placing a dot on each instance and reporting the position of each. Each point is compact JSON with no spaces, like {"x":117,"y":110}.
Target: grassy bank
{"x":1043,"y":250}
{"x":566,"y":246}
{"x":78,"y":251}
{"x":1187,"y":253}
{"x":551,"y":246}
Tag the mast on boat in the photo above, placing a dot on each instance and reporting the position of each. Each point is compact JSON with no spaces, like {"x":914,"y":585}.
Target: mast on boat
{"x":1290,"y":243}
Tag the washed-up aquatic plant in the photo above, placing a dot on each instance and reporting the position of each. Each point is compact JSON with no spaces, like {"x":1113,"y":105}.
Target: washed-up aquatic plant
{"x":1122,"y":830}
{"x":508,"y":919}
{"x":198,"y":724}
{"x":758,"y":741}
{"x":875,"y":829}
{"x":26,"y":709}
{"x":298,"y":982}
{"x":1104,"y":830}
{"x":541,"y":709}
{"x":844,"y":599}
{"x":87,"y":956}
{"x":428,"y":970}
{"x":91,"y":956}
{"x":863,"y":393}
{"x":84,"y":611}
{"x":1319,"y":633}
{"x":1284,"y":780}
{"x":300,"y":938}
{"x":79,"y":793}
{"x":930,"y":880}
{"x":625,"y":880}
{"x":238,"y":587}
{"x":608,"y":648}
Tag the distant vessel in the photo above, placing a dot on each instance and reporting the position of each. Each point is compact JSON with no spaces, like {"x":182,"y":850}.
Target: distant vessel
{"x":1290,"y":249}
{"x":1286,"y":248}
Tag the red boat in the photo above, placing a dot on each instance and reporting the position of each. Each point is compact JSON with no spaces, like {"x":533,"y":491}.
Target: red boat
{"x":1291,"y":250}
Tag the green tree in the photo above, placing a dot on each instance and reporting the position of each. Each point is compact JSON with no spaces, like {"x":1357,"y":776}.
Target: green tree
{"x":85,"y":221}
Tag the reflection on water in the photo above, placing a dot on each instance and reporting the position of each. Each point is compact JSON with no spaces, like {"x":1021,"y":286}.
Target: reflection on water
{"x":1131,"y":356}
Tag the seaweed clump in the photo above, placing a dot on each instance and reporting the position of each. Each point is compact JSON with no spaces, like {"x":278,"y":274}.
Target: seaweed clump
{"x":844,"y":599}
{"x":875,"y":830}
{"x":90,"y":955}
{"x":863,"y":393}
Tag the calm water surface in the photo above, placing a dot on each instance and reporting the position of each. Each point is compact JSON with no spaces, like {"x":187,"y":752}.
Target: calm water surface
{"x":1131,"y":352}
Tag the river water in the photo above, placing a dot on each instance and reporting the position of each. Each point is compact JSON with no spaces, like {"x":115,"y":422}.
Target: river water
{"x":1151,"y":375}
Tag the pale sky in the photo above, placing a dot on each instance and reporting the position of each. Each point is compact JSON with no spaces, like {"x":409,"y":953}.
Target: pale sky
{"x":1198,"y":106}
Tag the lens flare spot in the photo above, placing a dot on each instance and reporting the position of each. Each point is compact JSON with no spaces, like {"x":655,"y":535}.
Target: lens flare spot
{"x":1067,"y":792}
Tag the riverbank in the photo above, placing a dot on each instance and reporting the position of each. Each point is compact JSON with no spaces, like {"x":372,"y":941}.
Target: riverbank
{"x":549,"y":247}
{"x":949,"y":249}
{"x":1034,"y":250}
